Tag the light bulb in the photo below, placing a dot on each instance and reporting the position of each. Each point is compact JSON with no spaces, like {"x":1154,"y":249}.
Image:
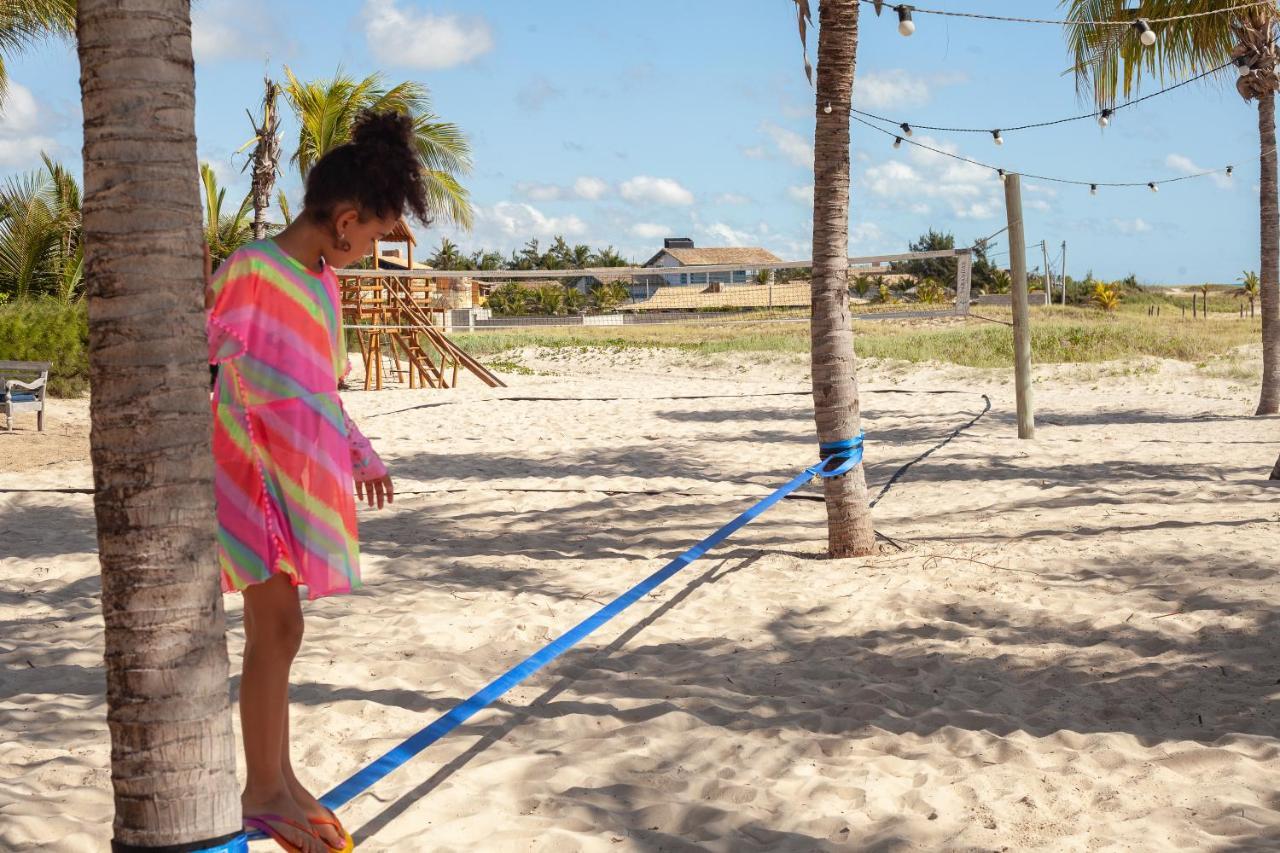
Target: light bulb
{"x":1104,"y":119}
{"x":997,"y":138}
{"x":897,"y":142}
{"x":827,"y":108}
{"x":1093,"y":189}
{"x":1230,"y":170}
{"x":906,"y":128}
{"x":1000,"y":172}
{"x":906,"y":26}
{"x":1152,"y":186}
{"x":1242,"y":66}
{"x":1145,"y":34}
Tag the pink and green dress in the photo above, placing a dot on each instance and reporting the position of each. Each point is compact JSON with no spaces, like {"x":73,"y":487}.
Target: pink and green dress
{"x":285,"y":452}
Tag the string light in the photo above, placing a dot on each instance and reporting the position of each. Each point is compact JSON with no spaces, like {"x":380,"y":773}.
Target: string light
{"x":904,"y":15}
{"x":1146,"y":35}
{"x":827,"y":108}
{"x":906,"y":128}
{"x":1093,"y":189}
{"x":906,"y":26}
{"x":1093,"y":185}
{"x":1230,"y":170}
{"x":1103,"y":117}
{"x":997,"y":138}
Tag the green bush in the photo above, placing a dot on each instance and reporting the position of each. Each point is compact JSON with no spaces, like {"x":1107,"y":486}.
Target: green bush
{"x":47,"y":329}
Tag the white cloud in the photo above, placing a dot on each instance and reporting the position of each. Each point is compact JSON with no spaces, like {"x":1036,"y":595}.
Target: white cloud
{"x":732,"y":198}
{"x":644,"y":188}
{"x":540,"y":192}
{"x":801,"y":194}
{"x":791,"y":145}
{"x":19,"y":112}
{"x":590,"y":188}
{"x":21,"y":122}
{"x":520,"y":220}
{"x":232,"y":29}
{"x":754,"y":152}
{"x":971,"y":192}
{"x":894,"y":87}
{"x":650,"y":230}
{"x":728,"y":235}
{"x":866,"y":236}
{"x":421,"y":39}
{"x":1187,"y":166}
{"x":1131,"y":226}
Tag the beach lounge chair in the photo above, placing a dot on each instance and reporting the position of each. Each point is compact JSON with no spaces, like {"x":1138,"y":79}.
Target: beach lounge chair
{"x":22,"y":389}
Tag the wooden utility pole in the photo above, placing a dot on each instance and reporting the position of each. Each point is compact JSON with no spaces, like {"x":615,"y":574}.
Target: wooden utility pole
{"x":1064,"y":272}
{"x":1021,"y":314}
{"x":1048,"y":277}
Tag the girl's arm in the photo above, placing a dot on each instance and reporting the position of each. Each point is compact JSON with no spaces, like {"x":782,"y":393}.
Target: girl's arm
{"x":366,"y":465}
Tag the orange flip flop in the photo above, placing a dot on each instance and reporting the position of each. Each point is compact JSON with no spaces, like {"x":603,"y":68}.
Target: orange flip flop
{"x":348,"y":843}
{"x":262,"y":823}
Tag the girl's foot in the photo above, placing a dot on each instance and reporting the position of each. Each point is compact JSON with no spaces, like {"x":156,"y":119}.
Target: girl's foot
{"x":323,"y":822}
{"x":280,"y":817}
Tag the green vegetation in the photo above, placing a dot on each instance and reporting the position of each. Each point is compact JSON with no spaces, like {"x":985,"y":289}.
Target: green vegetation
{"x":1058,"y":335}
{"x":47,"y":329}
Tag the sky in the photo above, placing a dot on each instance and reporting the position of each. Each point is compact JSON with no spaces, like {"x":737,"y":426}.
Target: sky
{"x":623,"y":123}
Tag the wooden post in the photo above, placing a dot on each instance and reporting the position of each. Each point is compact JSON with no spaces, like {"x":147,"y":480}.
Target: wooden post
{"x":1064,"y":273}
{"x":1048,"y":288}
{"x":1021,"y":314}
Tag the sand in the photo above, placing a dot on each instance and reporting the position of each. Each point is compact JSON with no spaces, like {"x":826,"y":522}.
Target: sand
{"x":1073,"y":647}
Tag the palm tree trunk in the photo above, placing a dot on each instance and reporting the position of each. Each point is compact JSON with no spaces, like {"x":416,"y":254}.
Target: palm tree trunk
{"x":1269,"y":402}
{"x":172,"y":755}
{"x":266,"y":158}
{"x":835,"y":388}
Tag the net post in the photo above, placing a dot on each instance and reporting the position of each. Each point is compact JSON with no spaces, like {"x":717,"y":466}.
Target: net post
{"x":964,"y":281}
{"x":1021,"y":314}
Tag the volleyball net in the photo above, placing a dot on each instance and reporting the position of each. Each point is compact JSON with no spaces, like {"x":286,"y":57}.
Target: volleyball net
{"x":901,"y":286}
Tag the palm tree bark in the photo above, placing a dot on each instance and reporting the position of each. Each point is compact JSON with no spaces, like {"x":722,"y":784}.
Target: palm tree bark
{"x":172,"y":756}
{"x":1269,"y":401}
{"x":835,"y":388}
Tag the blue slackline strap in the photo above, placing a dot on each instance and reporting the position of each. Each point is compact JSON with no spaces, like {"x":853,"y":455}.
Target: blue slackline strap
{"x":837,"y":459}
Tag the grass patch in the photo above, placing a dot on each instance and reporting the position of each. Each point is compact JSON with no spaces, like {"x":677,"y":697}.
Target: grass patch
{"x":1058,"y":335}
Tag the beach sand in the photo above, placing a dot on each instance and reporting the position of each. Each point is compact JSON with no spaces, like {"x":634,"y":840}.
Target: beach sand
{"x":1074,"y":645}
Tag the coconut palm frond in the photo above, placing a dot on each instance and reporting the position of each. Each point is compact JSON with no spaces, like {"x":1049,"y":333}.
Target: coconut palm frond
{"x":804,"y":20}
{"x":25,"y":22}
{"x":282,"y":202}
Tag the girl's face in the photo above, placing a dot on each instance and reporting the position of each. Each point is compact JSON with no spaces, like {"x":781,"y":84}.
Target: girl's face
{"x":354,"y":237}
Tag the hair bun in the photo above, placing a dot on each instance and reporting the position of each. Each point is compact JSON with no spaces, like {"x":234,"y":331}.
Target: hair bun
{"x":383,"y":131}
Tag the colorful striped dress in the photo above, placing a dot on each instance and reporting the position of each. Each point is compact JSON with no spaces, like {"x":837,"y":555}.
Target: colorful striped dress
{"x":285,"y":452}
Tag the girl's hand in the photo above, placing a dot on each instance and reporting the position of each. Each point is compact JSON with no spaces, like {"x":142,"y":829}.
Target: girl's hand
{"x":380,"y":490}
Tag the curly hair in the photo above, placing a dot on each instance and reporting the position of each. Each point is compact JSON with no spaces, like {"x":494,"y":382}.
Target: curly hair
{"x":378,"y":171}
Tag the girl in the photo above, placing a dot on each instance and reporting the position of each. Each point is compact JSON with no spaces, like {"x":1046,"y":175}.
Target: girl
{"x":286,"y":453}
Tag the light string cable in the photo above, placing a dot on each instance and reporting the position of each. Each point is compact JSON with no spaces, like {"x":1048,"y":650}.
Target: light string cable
{"x":908,"y":8}
{"x":1093,"y":185}
{"x":1102,"y":115}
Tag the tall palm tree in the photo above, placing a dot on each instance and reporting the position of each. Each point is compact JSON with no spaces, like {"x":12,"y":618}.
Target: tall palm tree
{"x":608,"y":257}
{"x":836,"y":407}
{"x":1249,"y":288}
{"x":447,"y":257}
{"x":265,"y":159}
{"x":24,"y":22}
{"x":1111,"y":60}
{"x":223,"y":232}
{"x":168,"y":708}
{"x":326,"y":110}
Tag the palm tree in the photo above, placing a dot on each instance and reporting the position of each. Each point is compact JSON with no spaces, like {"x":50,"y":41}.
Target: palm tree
{"x":326,"y":110}
{"x":168,"y":709}
{"x":1248,"y":288}
{"x":266,"y":156}
{"x":1111,"y":60}
{"x":25,"y":22}
{"x":40,"y":245}
{"x":223,"y":232}
{"x":447,"y":256}
{"x":608,"y":257}
{"x":836,"y":408}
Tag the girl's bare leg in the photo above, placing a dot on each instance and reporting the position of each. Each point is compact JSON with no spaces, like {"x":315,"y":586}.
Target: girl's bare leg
{"x":309,"y":804}
{"x":273,"y":634}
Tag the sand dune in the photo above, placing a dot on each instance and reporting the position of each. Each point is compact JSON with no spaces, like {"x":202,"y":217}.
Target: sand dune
{"x":1076,"y":646}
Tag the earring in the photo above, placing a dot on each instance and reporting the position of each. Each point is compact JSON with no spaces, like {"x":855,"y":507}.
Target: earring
{"x":343,"y":244}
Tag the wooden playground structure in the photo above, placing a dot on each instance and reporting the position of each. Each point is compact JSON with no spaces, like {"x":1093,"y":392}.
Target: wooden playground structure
{"x":398,"y":311}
